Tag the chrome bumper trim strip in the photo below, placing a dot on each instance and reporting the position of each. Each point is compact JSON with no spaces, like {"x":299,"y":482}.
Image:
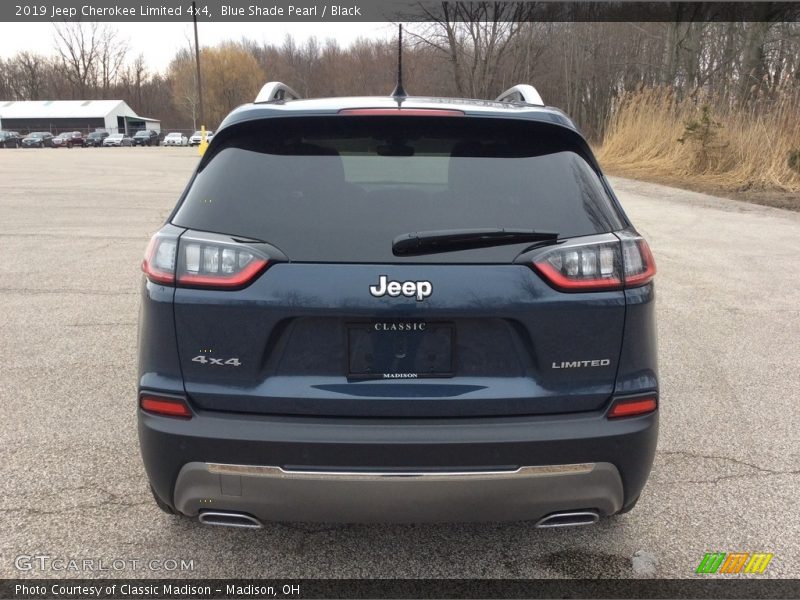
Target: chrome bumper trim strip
{"x":280,"y":473}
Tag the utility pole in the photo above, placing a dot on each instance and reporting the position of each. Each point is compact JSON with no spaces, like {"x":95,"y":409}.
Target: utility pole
{"x":197,"y":63}
{"x":199,"y":82}
{"x":203,"y":143}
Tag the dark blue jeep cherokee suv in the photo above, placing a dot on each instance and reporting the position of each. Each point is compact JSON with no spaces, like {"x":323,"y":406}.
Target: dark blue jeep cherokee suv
{"x":397,"y":309}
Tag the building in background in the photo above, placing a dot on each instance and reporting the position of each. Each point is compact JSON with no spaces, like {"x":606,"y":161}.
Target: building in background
{"x":55,"y":116}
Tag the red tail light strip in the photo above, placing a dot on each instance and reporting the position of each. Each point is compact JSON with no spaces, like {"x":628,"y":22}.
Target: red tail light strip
{"x":582,"y":285}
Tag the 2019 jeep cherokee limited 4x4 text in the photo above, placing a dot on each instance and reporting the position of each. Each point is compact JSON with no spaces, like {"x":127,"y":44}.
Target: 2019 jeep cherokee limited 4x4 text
{"x":397,"y":309}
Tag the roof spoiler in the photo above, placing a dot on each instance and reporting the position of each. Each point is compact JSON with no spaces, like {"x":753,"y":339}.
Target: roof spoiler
{"x":521,"y":93}
{"x":275,"y":90}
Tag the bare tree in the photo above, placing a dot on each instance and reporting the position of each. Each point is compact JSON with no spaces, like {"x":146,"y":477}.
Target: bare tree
{"x":29,"y":76}
{"x":133,"y":78}
{"x":111,"y":54}
{"x":475,"y":37}
{"x":91,"y":54}
{"x":77,"y":45}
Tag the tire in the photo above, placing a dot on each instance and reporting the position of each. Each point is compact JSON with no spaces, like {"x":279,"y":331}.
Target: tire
{"x":161,"y":504}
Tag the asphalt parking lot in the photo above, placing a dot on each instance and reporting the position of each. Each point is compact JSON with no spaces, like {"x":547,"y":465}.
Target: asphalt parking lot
{"x":73,"y":227}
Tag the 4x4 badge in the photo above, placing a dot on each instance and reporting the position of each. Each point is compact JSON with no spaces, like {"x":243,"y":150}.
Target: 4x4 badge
{"x":411,"y":289}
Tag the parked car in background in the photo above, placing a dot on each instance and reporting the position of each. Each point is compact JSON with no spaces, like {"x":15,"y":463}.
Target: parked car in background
{"x":176,"y":139}
{"x":68,"y":139}
{"x":38,"y":139}
{"x":95,"y":139}
{"x":118,"y":139}
{"x":61,"y":140}
{"x":76,"y":139}
{"x":145,"y":137}
{"x":198,"y":136}
{"x":10,"y":139}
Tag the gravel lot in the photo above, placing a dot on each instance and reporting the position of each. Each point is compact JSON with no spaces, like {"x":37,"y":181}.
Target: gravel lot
{"x":73,"y":227}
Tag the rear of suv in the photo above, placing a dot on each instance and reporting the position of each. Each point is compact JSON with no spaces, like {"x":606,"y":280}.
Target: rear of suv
{"x":397,"y":309}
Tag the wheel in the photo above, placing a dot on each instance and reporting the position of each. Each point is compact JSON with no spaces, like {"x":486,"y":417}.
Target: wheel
{"x":161,"y":504}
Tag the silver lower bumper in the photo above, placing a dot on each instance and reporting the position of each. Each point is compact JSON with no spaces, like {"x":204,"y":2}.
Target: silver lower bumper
{"x":274,"y":494}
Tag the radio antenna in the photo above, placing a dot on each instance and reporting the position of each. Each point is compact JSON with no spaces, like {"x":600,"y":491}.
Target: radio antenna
{"x":399,"y":92}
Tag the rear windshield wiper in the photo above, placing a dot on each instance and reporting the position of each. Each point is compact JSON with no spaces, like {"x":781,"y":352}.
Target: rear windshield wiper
{"x":451,"y":240}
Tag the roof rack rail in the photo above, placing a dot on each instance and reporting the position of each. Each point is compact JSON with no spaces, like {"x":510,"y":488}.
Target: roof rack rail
{"x":521,"y":93}
{"x":275,"y":90}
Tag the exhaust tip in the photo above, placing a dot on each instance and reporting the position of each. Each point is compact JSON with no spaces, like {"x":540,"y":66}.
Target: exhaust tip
{"x":229,"y":519}
{"x":573,"y":518}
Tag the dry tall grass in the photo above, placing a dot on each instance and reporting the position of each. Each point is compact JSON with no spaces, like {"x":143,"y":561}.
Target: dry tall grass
{"x":757,"y":148}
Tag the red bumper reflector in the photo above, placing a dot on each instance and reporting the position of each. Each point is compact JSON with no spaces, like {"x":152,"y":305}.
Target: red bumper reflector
{"x":632,"y":406}
{"x":402,"y":112}
{"x":170,"y":407}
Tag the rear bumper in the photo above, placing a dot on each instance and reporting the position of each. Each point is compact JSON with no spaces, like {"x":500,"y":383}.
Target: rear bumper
{"x":272,"y":493}
{"x":362,"y":470}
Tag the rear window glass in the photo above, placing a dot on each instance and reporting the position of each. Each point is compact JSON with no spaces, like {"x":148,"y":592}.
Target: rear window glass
{"x":341,"y":188}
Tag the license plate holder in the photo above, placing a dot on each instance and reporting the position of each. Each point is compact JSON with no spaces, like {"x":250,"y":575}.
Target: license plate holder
{"x":400,"y":349}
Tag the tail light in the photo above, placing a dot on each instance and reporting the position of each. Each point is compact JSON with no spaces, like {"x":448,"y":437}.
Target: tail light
{"x":582,"y":268}
{"x":210,"y":264}
{"x":208,"y":261}
{"x":631,"y":407}
{"x":640,"y":268}
{"x":159,"y":259}
{"x":165,"y":406}
{"x":598,"y":266}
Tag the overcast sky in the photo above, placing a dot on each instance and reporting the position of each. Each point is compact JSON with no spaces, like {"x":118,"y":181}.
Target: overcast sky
{"x":159,"y":41}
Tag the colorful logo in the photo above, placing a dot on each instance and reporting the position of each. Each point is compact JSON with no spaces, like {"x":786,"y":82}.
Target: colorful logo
{"x":734,"y":562}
